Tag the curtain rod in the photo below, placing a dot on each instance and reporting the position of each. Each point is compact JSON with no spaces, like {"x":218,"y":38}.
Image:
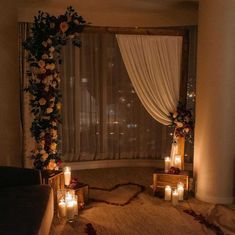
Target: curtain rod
{"x":174,"y":30}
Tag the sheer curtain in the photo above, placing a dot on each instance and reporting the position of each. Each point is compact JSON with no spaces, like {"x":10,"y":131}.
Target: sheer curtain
{"x":103,"y":117}
{"x":154,"y":67}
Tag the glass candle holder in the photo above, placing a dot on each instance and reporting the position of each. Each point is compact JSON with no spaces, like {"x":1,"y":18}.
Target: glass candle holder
{"x":175,"y":198}
{"x":177,"y":162}
{"x":67,"y":175}
{"x":180,"y":189}
{"x":167,"y":193}
{"x":167,"y":164}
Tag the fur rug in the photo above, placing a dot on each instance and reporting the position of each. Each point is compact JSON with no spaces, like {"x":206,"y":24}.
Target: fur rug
{"x":144,"y":215}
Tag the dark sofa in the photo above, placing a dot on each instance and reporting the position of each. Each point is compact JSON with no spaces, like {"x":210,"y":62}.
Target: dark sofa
{"x":26,"y":206}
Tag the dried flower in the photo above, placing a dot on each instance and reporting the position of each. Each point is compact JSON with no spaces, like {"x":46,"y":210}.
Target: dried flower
{"x":41,"y":63}
{"x":44,"y":44}
{"x":45,"y":57}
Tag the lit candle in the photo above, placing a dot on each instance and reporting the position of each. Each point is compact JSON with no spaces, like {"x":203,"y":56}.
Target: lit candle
{"x":67,"y":175}
{"x":62,"y":208}
{"x":68,"y":197}
{"x":75,"y":202}
{"x":177,"y":162}
{"x":70,"y":210}
{"x":168,"y":193}
{"x":180,"y":189}
{"x":175,"y":198}
{"x":167,"y":164}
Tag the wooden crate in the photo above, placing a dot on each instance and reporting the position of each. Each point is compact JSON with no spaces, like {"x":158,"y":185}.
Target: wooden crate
{"x":82,"y":192}
{"x":161,"y":179}
{"x":55,"y":179}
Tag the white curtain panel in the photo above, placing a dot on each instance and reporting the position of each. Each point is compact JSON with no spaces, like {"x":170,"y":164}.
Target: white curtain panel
{"x":153,"y":64}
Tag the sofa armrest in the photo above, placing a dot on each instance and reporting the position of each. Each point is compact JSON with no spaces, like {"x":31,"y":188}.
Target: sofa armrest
{"x":14,"y":176}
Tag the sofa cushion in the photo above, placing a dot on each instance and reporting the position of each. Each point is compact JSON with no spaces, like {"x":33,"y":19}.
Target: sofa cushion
{"x":13,"y":176}
{"x":26,"y":210}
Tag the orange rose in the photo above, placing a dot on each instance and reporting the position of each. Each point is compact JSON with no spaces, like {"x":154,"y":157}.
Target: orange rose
{"x":49,"y":110}
{"x":64,"y":26}
{"x":53,"y":146}
{"x":41,"y":63}
{"x":42,"y":101}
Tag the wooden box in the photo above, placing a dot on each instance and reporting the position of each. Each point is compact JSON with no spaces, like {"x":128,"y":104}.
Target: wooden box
{"x":161,"y":179}
{"x":55,"y":179}
{"x":82,"y":192}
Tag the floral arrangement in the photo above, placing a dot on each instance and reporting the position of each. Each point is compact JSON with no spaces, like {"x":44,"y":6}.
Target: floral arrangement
{"x":49,"y":34}
{"x":182,"y":122}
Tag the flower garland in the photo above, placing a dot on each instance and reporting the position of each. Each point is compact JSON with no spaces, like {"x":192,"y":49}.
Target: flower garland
{"x":182,"y":122}
{"x":49,"y":33}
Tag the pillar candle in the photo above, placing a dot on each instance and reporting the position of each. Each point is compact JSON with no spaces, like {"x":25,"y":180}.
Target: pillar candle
{"x":167,"y":164}
{"x":62,"y":208}
{"x":70,"y":210}
{"x":168,"y":193}
{"x":177,"y":162}
{"x":175,"y":198}
{"x":75,"y":202}
{"x":180,"y":189}
{"x":68,"y":197}
{"x":67,"y":175}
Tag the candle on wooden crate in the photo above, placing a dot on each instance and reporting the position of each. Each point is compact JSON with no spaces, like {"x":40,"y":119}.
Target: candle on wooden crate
{"x":180,"y":189}
{"x":177,"y":161}
{"x":62,"y":208}
{"x":167,"y":164}
{"x":67,"y":175}
{"x":168,"y":193}
{"x":175,"y":198}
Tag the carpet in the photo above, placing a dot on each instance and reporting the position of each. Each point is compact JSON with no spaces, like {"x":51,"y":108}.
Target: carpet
{"x":145,"y":214}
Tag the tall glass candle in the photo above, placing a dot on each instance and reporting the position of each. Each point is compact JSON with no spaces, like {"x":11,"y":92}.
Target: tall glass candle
{"x":62,"y":208}
{"x":175,"y":198}
{"x":177,"y":161}
{"x":75,"y":203}
{"x":167,"y":164}
{"x":168,"y":193}
{"x":180,"y":189}
{"x":67,"y":175}
{"x":70,"y":210}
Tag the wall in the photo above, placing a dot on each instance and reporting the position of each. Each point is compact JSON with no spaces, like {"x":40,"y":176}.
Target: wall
{"x":122,"y":13}
{"x":9,"y":87}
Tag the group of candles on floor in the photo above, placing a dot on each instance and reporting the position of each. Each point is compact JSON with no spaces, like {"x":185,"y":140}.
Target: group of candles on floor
{"x":177,"y":194}
{"x":67,"y":200}
{"x":174,"y":195}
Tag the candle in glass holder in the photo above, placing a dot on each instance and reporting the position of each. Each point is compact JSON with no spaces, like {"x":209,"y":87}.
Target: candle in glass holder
{"x":75,"y":202}
{"x":67,"y":175}
{"x":68,"y":197}
{"x":168,"y":193}
{"x":70,"y":210}
{"x":175,"y":198}
{"x":180,"y":189}
{"x":167,"y":164}
{"x":62,"y":208}
{"x":177,"y":162}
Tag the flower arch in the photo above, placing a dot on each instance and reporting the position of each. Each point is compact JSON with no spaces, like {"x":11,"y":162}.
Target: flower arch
{"x":49,"y":34}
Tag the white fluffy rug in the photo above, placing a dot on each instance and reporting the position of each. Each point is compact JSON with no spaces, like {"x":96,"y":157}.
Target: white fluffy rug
{"x":145,"y":215}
